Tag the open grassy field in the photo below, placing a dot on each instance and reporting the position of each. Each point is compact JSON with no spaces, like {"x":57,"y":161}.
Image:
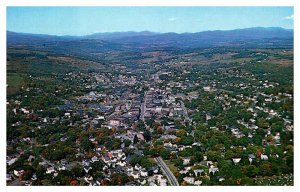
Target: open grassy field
{"x":171,"y":166}
{"x":14,"y":82}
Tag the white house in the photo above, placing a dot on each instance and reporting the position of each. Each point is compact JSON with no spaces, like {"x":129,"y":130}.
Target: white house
{"x":198,"y":171}
{"x":12,"y":161}
{"x":144,"y":173}
{"x":135,"y":174}
{"x":264,"y":157}
{"x":213,"y":169}
{"x":236,"y":160}
{"x":61,"y":168}
{"x":87,"y":169}
{"x":189,"y":180}
{"x":18,"y":173}
{"x":50,"y":170}
{"x":137,"y":167}
{"x":94,"y":159}
{"x":186,"y":160}
{"x":198,"y":182}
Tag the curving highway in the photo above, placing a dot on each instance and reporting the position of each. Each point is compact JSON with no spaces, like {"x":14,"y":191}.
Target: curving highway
{"x":172,"y":179}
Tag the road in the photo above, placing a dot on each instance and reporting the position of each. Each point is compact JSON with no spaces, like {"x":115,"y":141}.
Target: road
{"x":185,"y":112}
{"x":172,"y":179}
{"x":143,"y":107}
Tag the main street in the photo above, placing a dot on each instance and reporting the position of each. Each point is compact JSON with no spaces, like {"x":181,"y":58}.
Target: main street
{"x":143,"y":108}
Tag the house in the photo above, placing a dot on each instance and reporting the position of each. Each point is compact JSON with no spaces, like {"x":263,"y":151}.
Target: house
{"x":63,"y":139}
{"x":87,"y":169}
{"x":207,"y":88}
{"x":144,"y":173}
{"x":251,"y":157}
{"x":198,"y":171}
{"x":183,"y":171}
{"x":31,"y":158}
{"x":34,"y":177}
{"x":154,"y":169}
{"x":105,"y":167}
{"x":135,"y":174}
{"x":18,"y":173}
{"x":61,"y":168}
{"x":213,"y":169}
{"x":86,"y":162}
{"x":221,"y":179}
{"x":137,"y":167}
{"x":152,"y":184}
{"x":94,"y":159}
{"x":114,"y":160}
{"x":143,"y":182}
{"x":88,"y":178}
{"x":140,"y":136}
{"x":264,"y":157}
{"x":50,"y":170}
{"x":63,"y":162}
{"x":129,"y":169}
{"x":236,"y":160}
{"x":114,"y":122}
{"x":186,"y":160}
{"x":198,"y":182}
{"x":12,"y":161}
{"x":25,"y":111}
{"x":162,"y":182}
{"x":189,"y":180}
{"x":121,"y":163}
{"x":209,"y":163}
{"x":106,"y":159}
{"x":196,"y":144}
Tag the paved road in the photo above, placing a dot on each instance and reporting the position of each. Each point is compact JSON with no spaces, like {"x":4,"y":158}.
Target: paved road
{"x":172,"y":179}
{"x":143,"y":108}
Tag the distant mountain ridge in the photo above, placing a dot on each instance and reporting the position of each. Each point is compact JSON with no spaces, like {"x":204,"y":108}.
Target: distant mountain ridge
{"x":146,"y":38}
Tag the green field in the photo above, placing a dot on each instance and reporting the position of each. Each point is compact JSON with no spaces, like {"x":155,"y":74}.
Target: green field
{"x":171,"y":166}
{"x":14,"y":80}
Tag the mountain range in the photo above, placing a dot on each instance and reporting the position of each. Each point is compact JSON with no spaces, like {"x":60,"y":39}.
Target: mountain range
{"x":248,"y":37}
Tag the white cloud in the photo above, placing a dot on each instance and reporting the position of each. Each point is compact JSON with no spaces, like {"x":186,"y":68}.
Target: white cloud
{"x":291,"y":17}
{"x":172,"y":19}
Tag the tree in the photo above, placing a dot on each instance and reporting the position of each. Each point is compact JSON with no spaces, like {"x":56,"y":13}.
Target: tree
{"x":146,"y":163}
{"x":86,"y":144}
{"x":40,"y":172}
{"x":77,"y":171}
{"x":147,"y":135}
{"x":135,"y":139}
{"x":250,"y":170}
{"x":135,"y":159}
{"x":266,"y":169}
{"x":213,"y":156}
{"x":118,"y":179}
{"x":150,"y":122}
{"x":247,"y":181}
{"x":97,"y":165}
{"x":165,"y":153}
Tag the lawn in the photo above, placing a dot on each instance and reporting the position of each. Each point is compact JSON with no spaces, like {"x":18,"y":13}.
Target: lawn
{"x":171,"y":166}
{"x":14,"y":80}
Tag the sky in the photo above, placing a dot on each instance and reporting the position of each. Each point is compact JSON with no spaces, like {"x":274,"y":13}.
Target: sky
{"x":89,"y":20}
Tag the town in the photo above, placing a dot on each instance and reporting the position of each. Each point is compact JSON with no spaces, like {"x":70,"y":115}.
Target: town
{"x":192,"y":119}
